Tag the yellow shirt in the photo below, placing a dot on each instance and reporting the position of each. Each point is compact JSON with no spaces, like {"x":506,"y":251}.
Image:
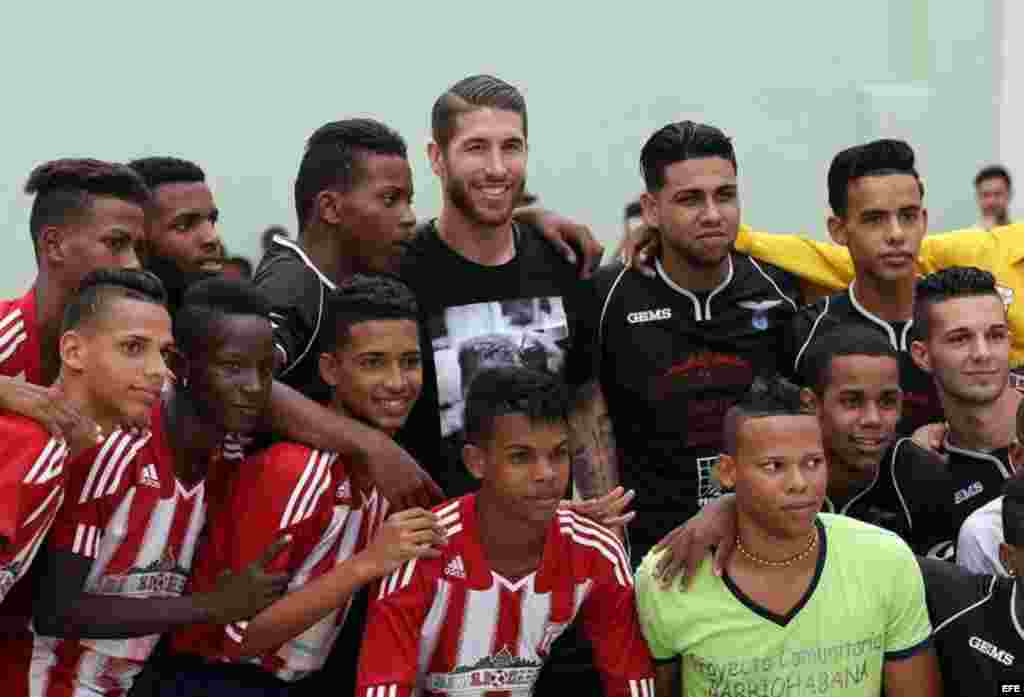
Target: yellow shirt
{"x":999,"y":251}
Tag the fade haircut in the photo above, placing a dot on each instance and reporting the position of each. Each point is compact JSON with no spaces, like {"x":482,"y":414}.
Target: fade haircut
{"x":947,"y":284}
{"x":207,"y":302}
{"x":502,"y":390}
{"x":851,"y":340}
{"x":65,"y":189}
{"x":683,"y":140}
{"x":472,"y":94}
{"x":767,"y":396}
{"x":994,"y":172}
{"x":157,"y":171}
{"x":333,"y":159}
{"x":1013,"y":511}
{"x":100,"y":288}
{"x":874,"y":159}
{"x":363,"y":298}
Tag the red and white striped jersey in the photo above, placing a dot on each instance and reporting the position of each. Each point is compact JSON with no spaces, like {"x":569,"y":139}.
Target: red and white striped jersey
{"x":126,"y":511}
{"x":453,"y":626}
{"x":19,"y":339}
{"x":286,"y":489}
{"x":31,"y":492}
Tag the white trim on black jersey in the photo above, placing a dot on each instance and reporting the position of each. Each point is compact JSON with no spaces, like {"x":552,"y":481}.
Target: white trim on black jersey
{"x":324,"y":283}
{"x":901,"y":343}
{"x":774,"y":284}
{"x":1013,"y":605}
{"x":604,"y":308}
{"x":976,"y":605}
{"x":896,"y":482}
{"x":810,"y":334}
{"x":690,"y":294}
{"x":979,"y":455}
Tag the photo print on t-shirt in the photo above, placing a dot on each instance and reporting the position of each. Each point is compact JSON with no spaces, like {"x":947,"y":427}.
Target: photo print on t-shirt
{"x":531,"y":332}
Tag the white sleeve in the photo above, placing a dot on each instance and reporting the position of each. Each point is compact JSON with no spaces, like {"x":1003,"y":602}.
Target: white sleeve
{"x":977,"y":547}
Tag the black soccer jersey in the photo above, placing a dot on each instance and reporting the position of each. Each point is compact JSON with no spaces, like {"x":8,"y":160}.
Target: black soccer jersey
{"x":910,"y":495}
{"x":921,"y":403}
{"x":977,"y":634}
{"x":298,"y":294}
{"x":978,"y":477}
{"x":518,"y":313}
{"x":671,"y":363}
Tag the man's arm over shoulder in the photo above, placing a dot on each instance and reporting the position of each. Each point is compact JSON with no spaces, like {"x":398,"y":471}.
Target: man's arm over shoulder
{"x":389,"y":657}
{"x":821,"y":263}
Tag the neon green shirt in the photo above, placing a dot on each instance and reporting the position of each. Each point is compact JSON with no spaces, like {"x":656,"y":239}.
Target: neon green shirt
{"x":865,"y":605}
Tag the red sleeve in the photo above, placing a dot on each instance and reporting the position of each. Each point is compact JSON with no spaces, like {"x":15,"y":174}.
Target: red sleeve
{"x":24,"y":459}
{"x":285,"y":489}
{"x":97,"y":480}
{"x":610,"y":621}
{"x":389,"y":657}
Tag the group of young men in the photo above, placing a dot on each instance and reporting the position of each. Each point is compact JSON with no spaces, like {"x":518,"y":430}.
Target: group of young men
{"x":218,"y":487}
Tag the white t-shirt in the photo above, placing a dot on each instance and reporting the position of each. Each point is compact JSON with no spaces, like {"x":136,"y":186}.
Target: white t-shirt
{"x":977,"y":548}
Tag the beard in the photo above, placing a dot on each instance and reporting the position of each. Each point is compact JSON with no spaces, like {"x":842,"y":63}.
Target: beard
{"x":175,"y":281}
{"x":457,"y":191}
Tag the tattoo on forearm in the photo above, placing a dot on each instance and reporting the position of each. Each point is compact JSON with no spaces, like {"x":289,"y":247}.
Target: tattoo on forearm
{"x":595,"y":468}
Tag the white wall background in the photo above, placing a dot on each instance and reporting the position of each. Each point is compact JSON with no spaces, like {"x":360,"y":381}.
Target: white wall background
{"x":1011,"y":93}
{"x":238,"y":87}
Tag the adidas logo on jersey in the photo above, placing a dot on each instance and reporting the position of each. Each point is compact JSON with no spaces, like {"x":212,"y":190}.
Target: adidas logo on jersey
{"x":149,"y":477}
{"x":649,"y":315}
{"x":990,"y":650}
{"x":455,"y":568}
{"x":967,"y":493}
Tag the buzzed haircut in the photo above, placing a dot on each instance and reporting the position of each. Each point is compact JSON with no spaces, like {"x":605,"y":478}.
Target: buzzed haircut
{"x":472,"y":94}
{"x":767,"y":396}
{"x":994,"y":172}
{"x":633,"y":209}
{"x":848,"y":340}
{"x":101,"y":287}
{"x":1013,"y":511}
{"x":65,"y":189}
{"x":363,"y":298}
{"x":157,"y":171}
{"x":333,"y":159}
{"x":947,"y":284}
{"x":683,"y":140}
{"x":207,"y":302}
{"x":502,"y":390}
{"x":874,"y":159}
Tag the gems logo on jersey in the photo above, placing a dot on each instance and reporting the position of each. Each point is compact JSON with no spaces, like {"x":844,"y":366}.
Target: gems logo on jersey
{"x":991,"y":650}
{"x":502,"y":671}
{"x":968,"y":492}
{"x":649,"y":315}
{"x":531,"y":332}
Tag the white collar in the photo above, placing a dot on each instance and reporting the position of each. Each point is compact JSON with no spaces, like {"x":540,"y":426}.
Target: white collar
{"x":285,"y":242}
{"x":698,"y":315}
{"x":899,"y":344}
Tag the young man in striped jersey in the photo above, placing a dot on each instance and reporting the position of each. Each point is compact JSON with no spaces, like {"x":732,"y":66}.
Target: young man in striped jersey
{"x":113,"y":333}
{"x":87,"y":215}
{"x":339,"y":541}
{"x":120,"y":552}
{"x":516,"y":571}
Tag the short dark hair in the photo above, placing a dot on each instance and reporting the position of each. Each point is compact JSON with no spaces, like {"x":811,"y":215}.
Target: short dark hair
{"x":1013,"y":511}
{"x":633,"y":209}
{"x":502,"y":390}
{"x":101,"y":287}
{"x":994,"y":172}
{"x":362,"y":298}
{"x":332,"y":158}
{"x":683,"y":140}
{"x":877,"y":158}
{"x":947,"y":284}
{"x":65,"y":190}
{"x":206,"y":302}
{"x":767,"y":396}
{"x":157,"y":171}
{"x":848,"y":340}
{"x":470,"y":94}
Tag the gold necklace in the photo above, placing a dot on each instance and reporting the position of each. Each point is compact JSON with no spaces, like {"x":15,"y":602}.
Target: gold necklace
{"x":778,"y":564}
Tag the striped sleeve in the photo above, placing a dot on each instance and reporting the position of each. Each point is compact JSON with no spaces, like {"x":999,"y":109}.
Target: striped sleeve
{"x":95,"y":479}
{"x":12,"y":335}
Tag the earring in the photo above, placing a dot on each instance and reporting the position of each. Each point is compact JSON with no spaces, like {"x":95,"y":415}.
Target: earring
{"x":1011,"y":572}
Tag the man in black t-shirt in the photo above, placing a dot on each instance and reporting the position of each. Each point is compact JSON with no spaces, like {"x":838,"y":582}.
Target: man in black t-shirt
{"x":854,"y":375}
{"x":676,"y":351}
{"x":492,"y":290}
{"x":878,"y":214}
{"x":965,"y":346}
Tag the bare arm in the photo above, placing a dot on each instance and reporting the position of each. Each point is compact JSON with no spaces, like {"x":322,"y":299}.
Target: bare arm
{"x":595,"y":468}
{"x":917,"y":676}
{"x":370,"y":452}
